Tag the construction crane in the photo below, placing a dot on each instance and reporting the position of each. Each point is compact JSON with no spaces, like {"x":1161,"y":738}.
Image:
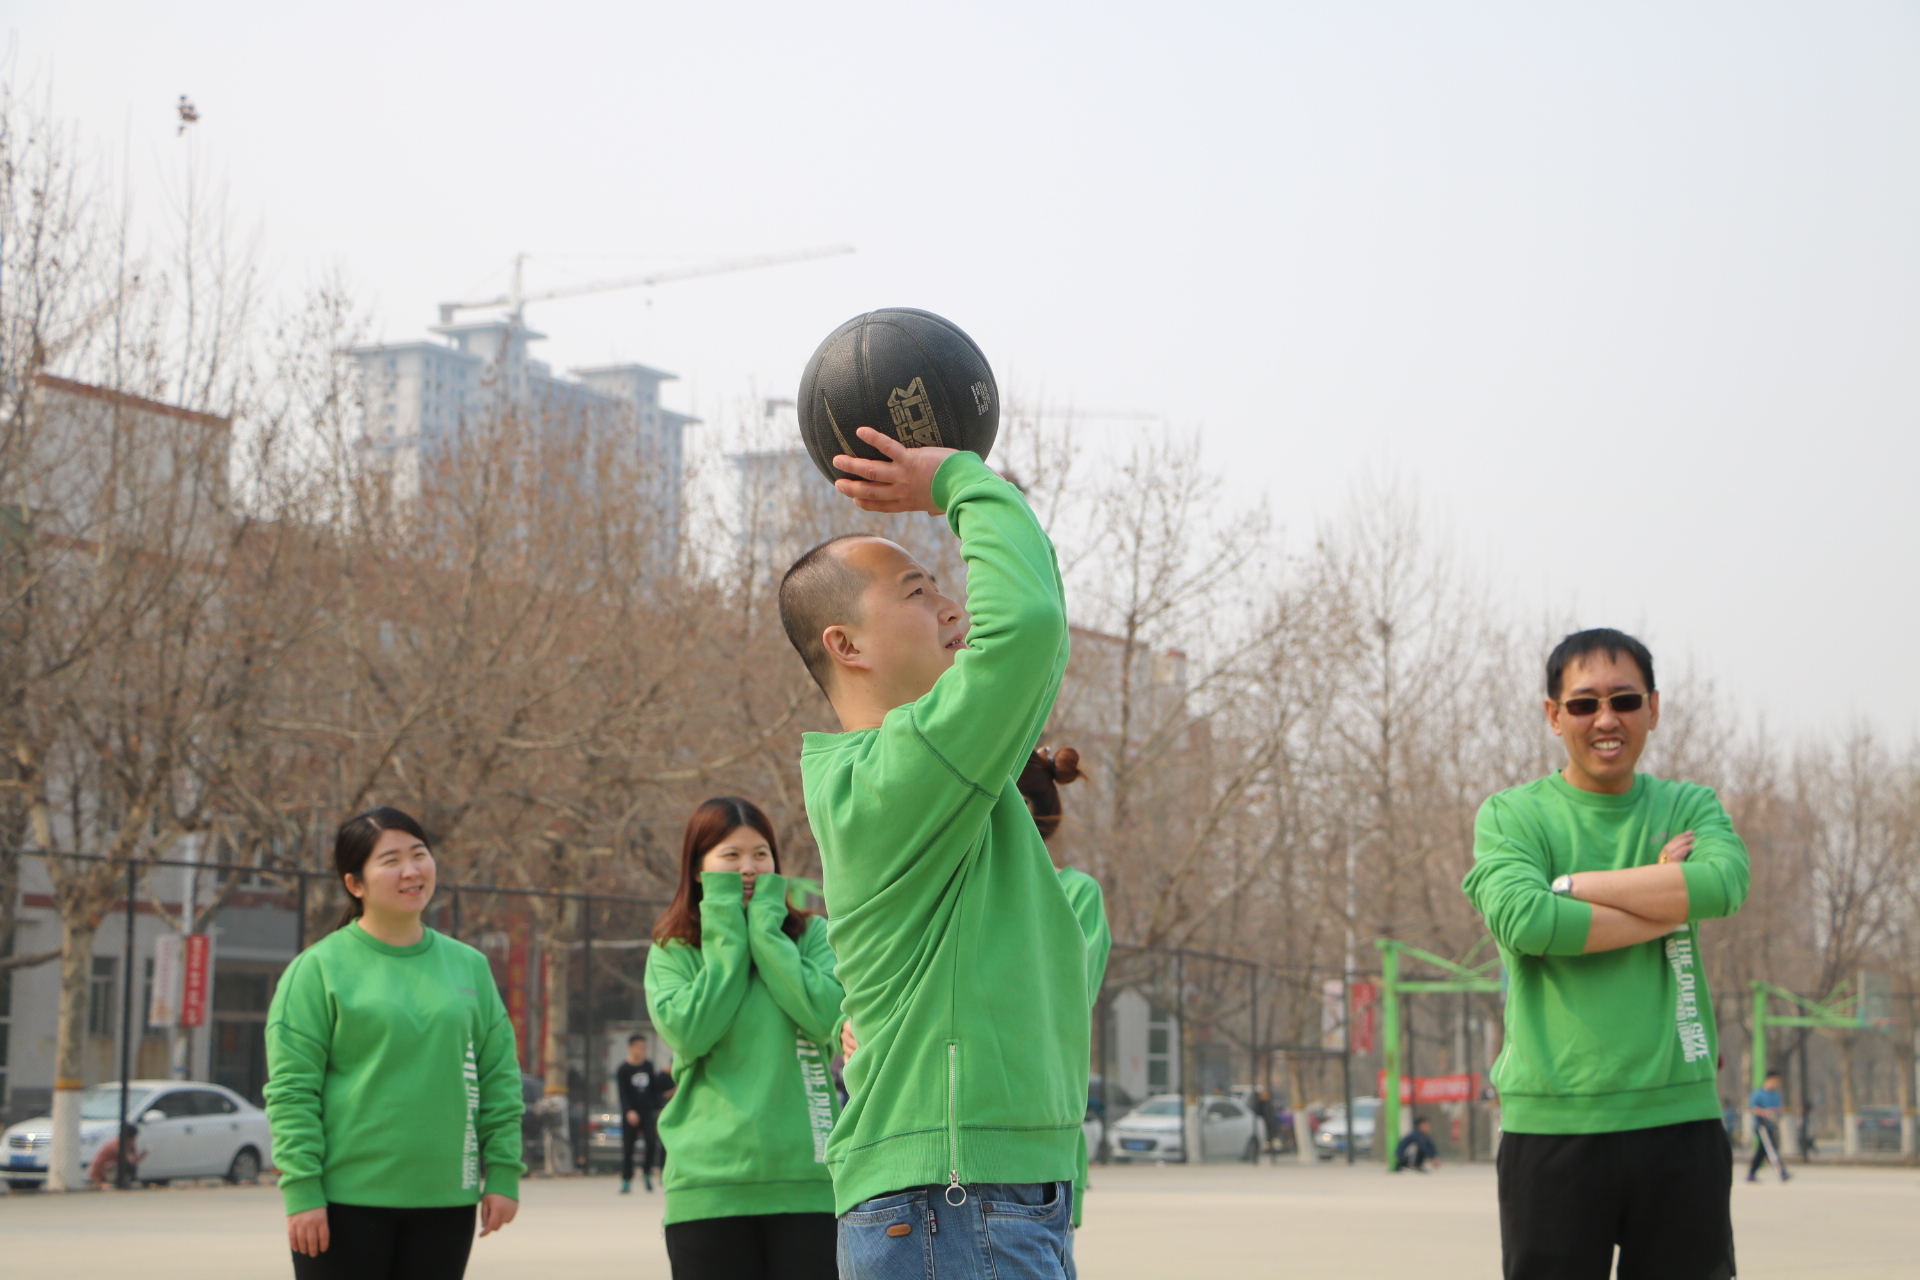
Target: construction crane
{"x":516,"y":300}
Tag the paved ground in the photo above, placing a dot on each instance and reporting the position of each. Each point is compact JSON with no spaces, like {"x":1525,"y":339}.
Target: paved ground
{"x":1143,"y":1223}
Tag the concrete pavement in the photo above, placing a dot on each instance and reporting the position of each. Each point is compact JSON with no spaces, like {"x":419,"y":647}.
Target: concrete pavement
{"x":1143,"y":1223}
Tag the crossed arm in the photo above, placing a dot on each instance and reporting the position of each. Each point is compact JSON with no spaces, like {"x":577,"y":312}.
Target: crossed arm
{"x":1636,"y":904}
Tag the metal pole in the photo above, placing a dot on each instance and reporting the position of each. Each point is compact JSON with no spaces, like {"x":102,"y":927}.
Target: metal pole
{"x":1466,"y":1063}
{"x":592,"y":1033}
{"x":300,"y":912}
{"x":1387,"y":1130}
{"x":1346,"y":1052}
{"x":1180,"y":1050}
{"x":1806,"y":1099}
{"x":123,"y":1170}
{"x":1102,"y":1024}
{"x":1253,"y":1057}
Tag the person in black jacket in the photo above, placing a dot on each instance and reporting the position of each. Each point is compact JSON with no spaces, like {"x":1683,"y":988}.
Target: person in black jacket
{"x":643,"y":1090}
{"x":1417,"y":1150}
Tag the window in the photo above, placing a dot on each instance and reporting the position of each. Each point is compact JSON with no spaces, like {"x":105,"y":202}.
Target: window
{"x":1161,"y":1071}
{"x":208,"y":1103}
{"x":146,"y":995}
{"x":177,"y":1105}
{"x":101,"y":1006}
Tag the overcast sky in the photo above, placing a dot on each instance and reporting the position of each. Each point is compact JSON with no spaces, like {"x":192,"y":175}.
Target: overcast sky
{"x":1631,"y":291}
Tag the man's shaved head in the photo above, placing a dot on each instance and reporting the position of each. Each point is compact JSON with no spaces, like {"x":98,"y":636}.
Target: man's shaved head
{"x":818,"y":591}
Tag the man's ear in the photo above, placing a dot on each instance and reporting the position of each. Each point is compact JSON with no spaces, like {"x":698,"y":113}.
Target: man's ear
{"x":1653,"y":711}
{"x":843,"y":648}
{"x":1553,"y":716}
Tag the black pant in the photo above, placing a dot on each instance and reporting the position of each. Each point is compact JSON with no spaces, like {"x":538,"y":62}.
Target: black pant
{"x":648,"y":1128}
{"x":776,"y":1246}
{"x":1772,"y":1132}
{"x":1662,"y":1195}
{"x":391,"y":1244}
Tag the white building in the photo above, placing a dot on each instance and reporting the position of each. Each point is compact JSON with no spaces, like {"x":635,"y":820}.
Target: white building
{"x":420,"y":399}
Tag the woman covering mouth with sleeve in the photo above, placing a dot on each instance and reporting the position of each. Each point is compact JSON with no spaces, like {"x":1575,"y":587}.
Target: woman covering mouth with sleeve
{"x":740,"y":983}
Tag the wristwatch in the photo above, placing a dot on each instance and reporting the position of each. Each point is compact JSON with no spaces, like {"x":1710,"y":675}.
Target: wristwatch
{"x":1562,"y":885}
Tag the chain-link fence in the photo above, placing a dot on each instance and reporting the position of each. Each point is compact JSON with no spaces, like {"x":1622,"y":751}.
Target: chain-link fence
{"x":569,"y":967}
{"x":1263,"y":1060}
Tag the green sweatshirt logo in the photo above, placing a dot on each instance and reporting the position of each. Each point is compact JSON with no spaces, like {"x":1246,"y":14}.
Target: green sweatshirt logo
{"x":818,"y":1083}
{"x":1693,"y":1032}
{"x":470,"y":1148}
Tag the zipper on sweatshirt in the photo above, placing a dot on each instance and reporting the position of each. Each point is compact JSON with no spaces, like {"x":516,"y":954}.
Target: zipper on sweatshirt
{"x":953,"y":1127}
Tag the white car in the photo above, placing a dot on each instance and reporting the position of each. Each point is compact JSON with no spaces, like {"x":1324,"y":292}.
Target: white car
{"x":188,"y":1129}
{"x":1153,"y":1130}
{"x":1331,"y":1140}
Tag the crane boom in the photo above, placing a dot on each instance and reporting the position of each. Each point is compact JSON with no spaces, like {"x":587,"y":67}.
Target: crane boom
{"x":517,"y":299}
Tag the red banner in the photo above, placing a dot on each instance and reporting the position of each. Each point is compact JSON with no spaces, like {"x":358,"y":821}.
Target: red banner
{"x":1430,"y":1089}
{"x":196,"y":979}
{"x":1366,"y":1015}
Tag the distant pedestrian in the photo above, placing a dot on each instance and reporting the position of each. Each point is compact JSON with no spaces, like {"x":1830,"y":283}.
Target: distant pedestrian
{"x":393,"y":1083}
{"x":1417,"y":1150}
{"x":741,"y":984}
{"x":1767,"y":1106}
{"x":640,"y":1106}
{"x":105,"y":1170}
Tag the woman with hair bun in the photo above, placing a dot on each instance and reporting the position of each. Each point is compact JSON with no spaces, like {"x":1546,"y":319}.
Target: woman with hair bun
{"x":1040,"y":782}
{"x":393,"y":1088}
{"x":741,"y":985}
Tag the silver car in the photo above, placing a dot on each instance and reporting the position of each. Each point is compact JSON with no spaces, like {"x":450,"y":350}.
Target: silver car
{"x":1156,"y":1130}
{"x":187,"y":1128}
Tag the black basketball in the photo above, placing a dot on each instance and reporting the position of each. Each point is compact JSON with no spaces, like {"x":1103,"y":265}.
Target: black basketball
{"x":908,"y":373}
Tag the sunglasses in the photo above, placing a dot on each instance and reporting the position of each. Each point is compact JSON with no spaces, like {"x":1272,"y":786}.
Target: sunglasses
{"x":1621,"y":703}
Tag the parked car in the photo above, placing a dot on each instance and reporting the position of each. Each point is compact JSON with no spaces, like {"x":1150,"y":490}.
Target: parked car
{"x":1331,"y":1138}
{"x":1153,"y":1130}
{"x":603,"y":1142}
{"x":1879,"y":1128}
{"x":1102,"y":1104}
{"x":187,"y":1128}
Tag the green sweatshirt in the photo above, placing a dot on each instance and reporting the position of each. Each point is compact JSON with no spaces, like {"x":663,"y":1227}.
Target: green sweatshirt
{"x":964,"y":966}
{"x":392,"y":1077}
{"x":1621,"y":1039}
{"x":1090,"y":909}
{"x":752,"y":1017}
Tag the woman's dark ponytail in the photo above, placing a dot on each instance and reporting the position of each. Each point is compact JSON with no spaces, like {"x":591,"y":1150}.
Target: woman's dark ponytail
{"x":1040,"y":782}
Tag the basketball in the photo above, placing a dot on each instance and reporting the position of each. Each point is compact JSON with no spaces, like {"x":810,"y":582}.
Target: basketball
{"x":911,"y":374}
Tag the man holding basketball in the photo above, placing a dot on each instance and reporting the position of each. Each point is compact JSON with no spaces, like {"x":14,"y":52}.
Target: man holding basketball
{"x":963,"y":963}
{"x":1592,"y":880}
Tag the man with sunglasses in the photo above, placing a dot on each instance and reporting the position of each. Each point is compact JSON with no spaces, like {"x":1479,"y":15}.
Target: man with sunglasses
{"x":1593,"y":881}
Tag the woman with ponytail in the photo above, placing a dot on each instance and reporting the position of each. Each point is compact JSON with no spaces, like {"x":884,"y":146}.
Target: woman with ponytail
{"x":740,"y":983}
{"x":1040,"y":782}
{"x":393,"y":1083}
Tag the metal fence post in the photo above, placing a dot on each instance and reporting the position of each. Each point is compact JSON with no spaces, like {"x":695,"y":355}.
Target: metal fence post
{"x":299,"y":912}
{"x":591,"y":1035}
{"x":123,"y":1172}
{"x":1466,"y":1063}
{"x":1346,"y":1053}
{"x":1180,"y":1051}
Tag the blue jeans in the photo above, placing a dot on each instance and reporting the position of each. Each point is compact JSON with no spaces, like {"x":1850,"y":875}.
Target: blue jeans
{"x":1002,"y":1231}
